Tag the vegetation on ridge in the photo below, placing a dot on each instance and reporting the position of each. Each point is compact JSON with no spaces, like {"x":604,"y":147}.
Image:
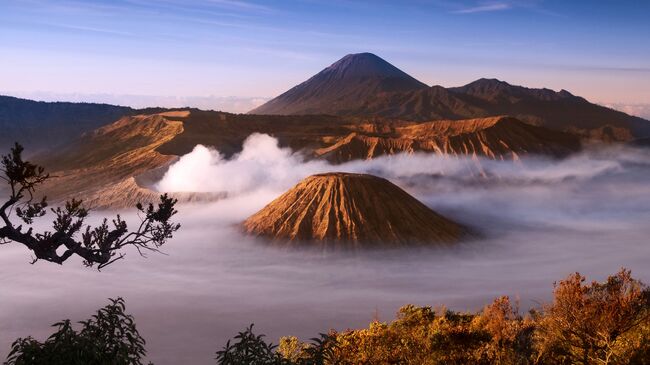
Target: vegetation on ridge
{"x":586,"y":323}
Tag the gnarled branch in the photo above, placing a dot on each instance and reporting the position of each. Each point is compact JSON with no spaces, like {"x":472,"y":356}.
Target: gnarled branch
{"x":99,"y":245}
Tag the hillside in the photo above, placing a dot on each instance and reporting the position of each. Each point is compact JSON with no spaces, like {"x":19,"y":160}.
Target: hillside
{"x":127,"y":155}
{"x":495,"y":138}
{"x":111,"y":166}
{"x":350,"y":210}
{"x":341,"y":139}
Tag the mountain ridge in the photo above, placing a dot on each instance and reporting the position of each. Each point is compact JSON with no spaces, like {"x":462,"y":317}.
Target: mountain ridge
{"x":41,"y":125}
{"x":559,"y":110}
{"x":344,"y":85}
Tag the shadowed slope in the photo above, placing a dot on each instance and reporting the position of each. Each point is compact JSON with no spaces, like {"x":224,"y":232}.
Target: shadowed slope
{"x":342,"y":209}
{"x":342,"y":87}
{"x":37,"y":124}
{"x":489,"y":97}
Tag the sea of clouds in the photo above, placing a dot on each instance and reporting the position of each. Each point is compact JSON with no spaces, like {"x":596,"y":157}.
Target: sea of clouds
{"x":541,"y":219}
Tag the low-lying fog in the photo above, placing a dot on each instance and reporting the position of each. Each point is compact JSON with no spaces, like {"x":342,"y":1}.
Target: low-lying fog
{"x":541,"y":220}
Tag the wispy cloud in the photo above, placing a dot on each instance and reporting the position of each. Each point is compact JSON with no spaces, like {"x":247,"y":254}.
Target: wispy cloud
{"x":89,"y":29}
{"x":500,"y":6}
{"x":240,"y":5}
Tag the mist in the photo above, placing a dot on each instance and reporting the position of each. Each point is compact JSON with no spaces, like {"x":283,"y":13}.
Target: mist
{"x":540,"y":220}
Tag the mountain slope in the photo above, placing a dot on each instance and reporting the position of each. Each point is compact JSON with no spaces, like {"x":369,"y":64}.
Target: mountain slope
{"x":495,"y":138}
{"x":558,"y":110}
{"x":350,"y":210}
{"x":121,"y":160}
{"x":40,"y":125}
{"x":364,"y":85}
{"x":489,"y":97}
{"x":342,"y":87}
{"x":105,"y":167}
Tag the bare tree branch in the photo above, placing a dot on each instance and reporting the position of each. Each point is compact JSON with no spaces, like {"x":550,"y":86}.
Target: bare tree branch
{"x":70,"y":236}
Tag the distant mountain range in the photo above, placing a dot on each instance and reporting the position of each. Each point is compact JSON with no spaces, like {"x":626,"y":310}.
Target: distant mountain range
{"x":42,"y":125}
{"x":361,"y":107}
{"x":358,"y":85}
{"x":365,"y":85}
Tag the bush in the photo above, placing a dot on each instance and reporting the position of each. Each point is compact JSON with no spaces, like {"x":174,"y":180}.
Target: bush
{"x":596,"y":323}
{"x":110,"y":337}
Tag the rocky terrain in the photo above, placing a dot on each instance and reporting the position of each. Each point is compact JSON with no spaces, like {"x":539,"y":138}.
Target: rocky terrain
{"x":112,"y":166}
{"x":350,"y":210}
{"x":115,"y":166}
{"x":496,"y":138}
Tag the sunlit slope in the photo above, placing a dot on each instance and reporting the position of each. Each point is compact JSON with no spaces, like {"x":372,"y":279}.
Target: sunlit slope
{"x":104,"y":166}
{"x":496,"y":138}
{"x":350,"y":210}
{"x":124,"y":159}
{"x":341,"y":139}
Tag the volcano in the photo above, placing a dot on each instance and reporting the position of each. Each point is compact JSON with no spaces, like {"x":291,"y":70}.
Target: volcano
{"x":364,"y":85}
{"x":350,"y":210}
{"x":342,"y":88}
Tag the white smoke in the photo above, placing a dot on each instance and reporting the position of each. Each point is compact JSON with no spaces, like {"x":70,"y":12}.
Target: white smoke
{"x":264,"y":165}
{"x":260,"y":164}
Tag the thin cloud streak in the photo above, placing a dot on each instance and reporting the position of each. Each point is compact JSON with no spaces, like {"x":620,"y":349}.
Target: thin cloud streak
{"x":240,"y":5}
{"x":484,"y":8}
{"x":89,"y":29}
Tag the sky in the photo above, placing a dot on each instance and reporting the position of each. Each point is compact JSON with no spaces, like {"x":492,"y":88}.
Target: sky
{"x":234,"y":54}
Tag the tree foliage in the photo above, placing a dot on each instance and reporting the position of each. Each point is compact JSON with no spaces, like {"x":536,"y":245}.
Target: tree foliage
{"x":100,"y":245}
{"x":248,"y":348}
{"x":596,"y":323}
{"x":592,"y":324}
{"x":109,"y":337}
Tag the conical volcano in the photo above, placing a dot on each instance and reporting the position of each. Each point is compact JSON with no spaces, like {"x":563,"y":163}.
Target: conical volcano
{"x":343,"y":87}
{"x":355,"y":210}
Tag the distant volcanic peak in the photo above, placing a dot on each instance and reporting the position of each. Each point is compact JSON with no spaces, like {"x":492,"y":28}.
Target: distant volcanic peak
{"x":342,"y":88}
{"x":350,"y":210}
{"x":361,"y":65}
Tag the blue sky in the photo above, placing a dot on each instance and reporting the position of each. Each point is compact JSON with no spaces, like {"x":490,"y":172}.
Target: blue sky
{"x":182,"y":49}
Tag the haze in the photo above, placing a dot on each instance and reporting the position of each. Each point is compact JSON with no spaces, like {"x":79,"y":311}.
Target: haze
{"x":539,"y":220}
